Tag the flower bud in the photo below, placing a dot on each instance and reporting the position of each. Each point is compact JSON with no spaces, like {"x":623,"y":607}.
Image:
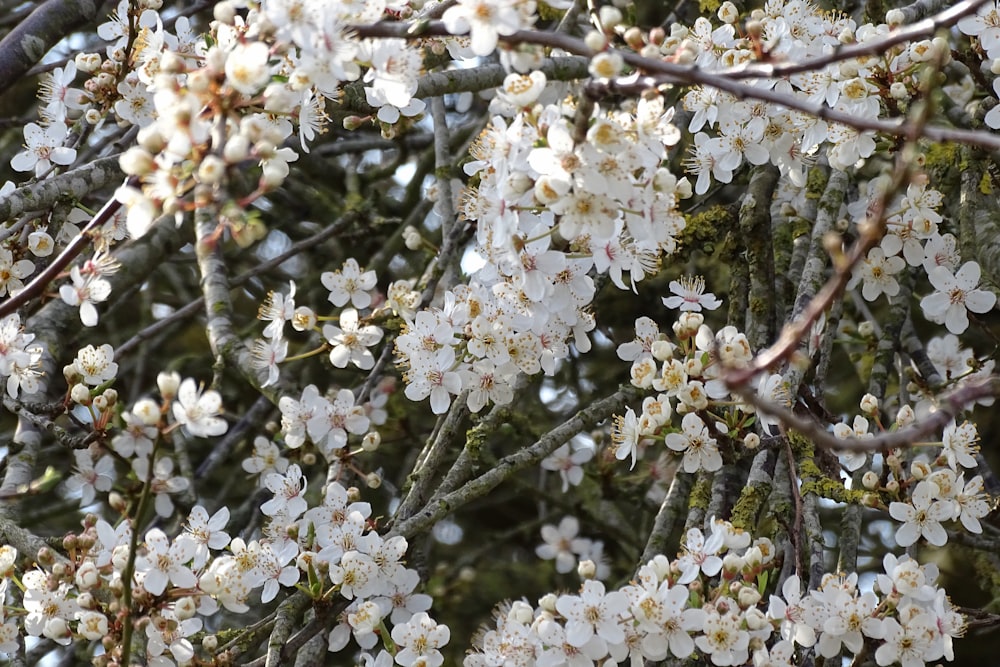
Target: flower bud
{"x":100,"y":403}
{"x":595,"y":41}
{"x":412,"y":238}
{"x":521,"y":612}
{"x":732,"y":563}
{"x":869,"y":405}
{"x":920,"y":470}
{"x":610,"y":16}
{"x":373,"y":480}
{"x":185,"y":608}
{"x":87,"y":576}
{"x":168,"y":384}
{"x":663,"y":350}
{"x":870,"y":480}
{"x":87,"y":62}
{"x":756,"y":620}
{"x":587,"y":569}
{"x":72,"y":374}
{"x":748,"y":597}
{"x":898,"y":91}
{"x":210,"y":643}
{"x":371,"y":441}
{"x":728,"y":13}
{"x":866,"y":329}
{"x":905,"y":416}
{"x":548,"y":602}
{"x":751,"y":441}
{"x":111,"y":396}
{"x":895,"y":18}
{"x":80,"y":394}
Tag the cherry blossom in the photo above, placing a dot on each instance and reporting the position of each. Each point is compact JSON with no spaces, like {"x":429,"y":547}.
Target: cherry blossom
{"x":43,"y":148}
{"x":956,"y":294}
{"x":921,"y":517}
{"x":198,"y":410}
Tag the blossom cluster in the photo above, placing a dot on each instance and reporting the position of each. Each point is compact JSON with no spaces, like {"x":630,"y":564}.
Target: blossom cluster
{"x":177,"y":583}
{"x":712,"y":600}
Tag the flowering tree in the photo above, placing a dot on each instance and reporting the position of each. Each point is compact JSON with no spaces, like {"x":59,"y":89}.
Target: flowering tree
{"x":329,"y":326}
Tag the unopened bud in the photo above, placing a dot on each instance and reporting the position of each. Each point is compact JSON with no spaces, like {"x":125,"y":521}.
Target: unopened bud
{"x":548,"y":602}
{"x":371,"y":441}
{"x":920,"y":469}
{"x":595,"y":41}
{"x":610,"y":16}
{"x":895,"y":18}
{"x":663,"y":350}
{"x":80,"y":393}
{"x":905,"y":416}
{"x":870,"y":480}
{"x":751,"y":441}
{"x":728,"y":13}
{"x":587,"y":569}
{"x":168,"y":384}
{"x":748,"y":597}
{"x":354,"y":122}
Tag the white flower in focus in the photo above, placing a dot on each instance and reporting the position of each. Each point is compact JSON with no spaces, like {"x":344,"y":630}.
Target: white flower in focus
{"x":96,"y":365}
{"x":288,"y":490}
{"x":625,"y":436}
{"x":877,"y":272}
{"x":971,"y":504}
{"x":351,"y":341}
{"x":266,"y":354}
{"x":959,"y":445}
{"x":40,"y":244}
{"x":859,"y":431}
{"x":207,"y":532}
{"x":905,"y":644}
{"x":921,"y":517}
{"x":199,"y":412}
{"x":57,"y":94}
{"x":593,"y":612}
{"x":350,"y":284}
{"x":265,"y":459}
{"x":699,"y":555}
{"x":166,"y":633}
{"x":700,"y":449}
{"x":165,"y":562}
{"x":434,"y":376}
{"x":420,"y":638}
{"x":955,"y":296}
{"x":43,"y":147}
{"x":689,"y":294}
{"x":48,"y":610}
{"x":789,"y":610}
{"x":85,"y":292}
{"x":12,"y":274}
{"x":724,"y":639}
